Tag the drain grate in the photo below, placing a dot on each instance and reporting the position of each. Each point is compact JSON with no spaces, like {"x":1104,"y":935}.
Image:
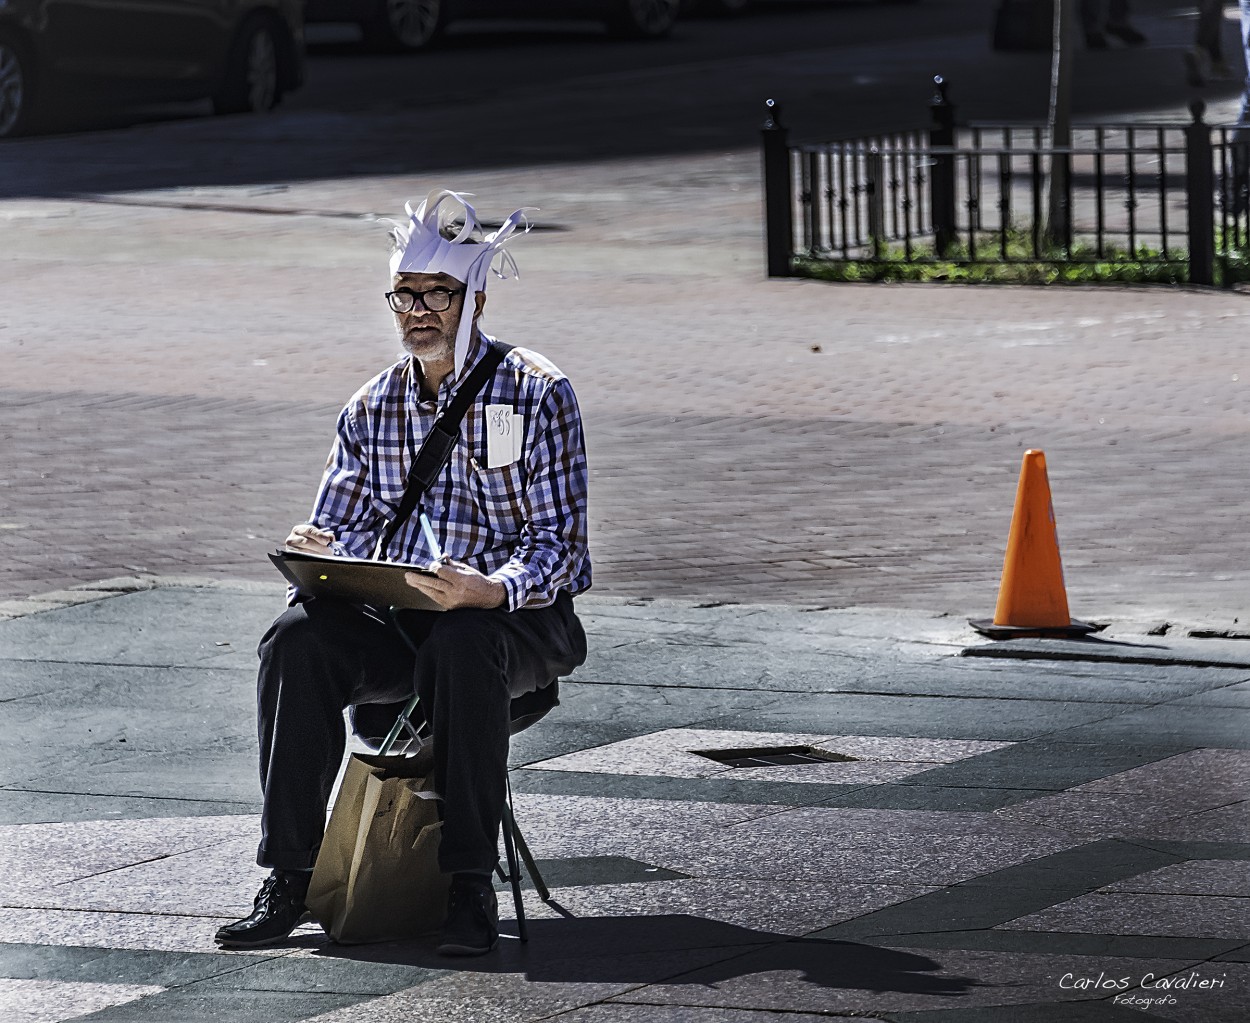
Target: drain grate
{"x":772,"y":756}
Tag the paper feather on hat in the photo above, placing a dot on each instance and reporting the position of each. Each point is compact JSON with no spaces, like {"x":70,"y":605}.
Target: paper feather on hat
{"x":420,"y":247}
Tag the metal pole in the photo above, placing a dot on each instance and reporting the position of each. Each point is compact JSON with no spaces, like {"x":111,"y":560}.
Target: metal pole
{"x":778,"y":208}
{"x":875,"y":165}
{"x":1059,"y":124}
{"x":1200,"y":197}
{"x":942,"y":179}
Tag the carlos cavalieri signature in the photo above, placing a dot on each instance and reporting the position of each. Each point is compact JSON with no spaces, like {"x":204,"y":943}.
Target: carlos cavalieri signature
{"x":1148,"y":982}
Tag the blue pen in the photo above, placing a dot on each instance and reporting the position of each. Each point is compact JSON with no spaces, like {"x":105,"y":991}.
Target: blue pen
{"x":431,"y":541}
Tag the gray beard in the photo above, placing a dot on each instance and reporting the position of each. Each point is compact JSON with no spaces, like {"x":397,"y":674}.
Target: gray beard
{"x":427,"y":346}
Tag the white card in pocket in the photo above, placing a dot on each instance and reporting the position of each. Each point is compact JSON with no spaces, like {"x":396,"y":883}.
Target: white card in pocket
{"x":504,"y":432}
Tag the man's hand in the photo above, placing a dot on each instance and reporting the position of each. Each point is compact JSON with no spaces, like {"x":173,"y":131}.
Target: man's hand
{"x":310,"y":539}
{"x":458,"y":585}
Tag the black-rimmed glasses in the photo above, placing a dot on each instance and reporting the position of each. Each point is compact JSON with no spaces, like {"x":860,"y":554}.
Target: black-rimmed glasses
{"x":436,"y":300}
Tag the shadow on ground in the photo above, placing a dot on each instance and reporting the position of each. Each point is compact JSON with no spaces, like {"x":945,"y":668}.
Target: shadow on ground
{"x":501,"y":99}
{"x":676,"y":949}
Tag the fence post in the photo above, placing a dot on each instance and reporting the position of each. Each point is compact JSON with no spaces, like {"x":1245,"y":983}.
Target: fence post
{"x":942,"y":176}
{"x":778,"y":208}
{"x":1200,"y":197}
{"x":874,"y":165}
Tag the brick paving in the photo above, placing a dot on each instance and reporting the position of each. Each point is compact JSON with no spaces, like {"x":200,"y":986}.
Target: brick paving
{"x":732,"y":459}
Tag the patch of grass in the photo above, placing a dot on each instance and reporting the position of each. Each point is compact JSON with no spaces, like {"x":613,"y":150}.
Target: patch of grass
{"x":1235,"y":267}
{"x":1083,"y":265}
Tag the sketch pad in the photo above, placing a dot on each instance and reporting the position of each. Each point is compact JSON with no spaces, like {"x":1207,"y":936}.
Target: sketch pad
{"x":378,"y":583}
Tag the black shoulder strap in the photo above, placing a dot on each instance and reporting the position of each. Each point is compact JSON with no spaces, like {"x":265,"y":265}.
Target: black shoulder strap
{"x":441,"y":440}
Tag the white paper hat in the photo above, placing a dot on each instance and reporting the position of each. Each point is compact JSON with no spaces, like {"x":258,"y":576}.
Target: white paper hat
{"x":421,"y":248}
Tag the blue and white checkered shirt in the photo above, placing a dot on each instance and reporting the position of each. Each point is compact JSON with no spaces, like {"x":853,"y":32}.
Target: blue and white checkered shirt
{"x":523,"y":524}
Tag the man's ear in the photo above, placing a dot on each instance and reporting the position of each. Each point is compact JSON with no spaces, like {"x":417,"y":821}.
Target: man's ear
{"x":479,"y":303}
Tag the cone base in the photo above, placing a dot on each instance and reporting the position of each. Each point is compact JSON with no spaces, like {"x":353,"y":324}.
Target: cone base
{"x":1075,"y":628}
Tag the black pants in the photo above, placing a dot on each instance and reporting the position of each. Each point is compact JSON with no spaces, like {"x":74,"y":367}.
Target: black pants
{"x":323,"y":655}
{"x":1207,"y":31}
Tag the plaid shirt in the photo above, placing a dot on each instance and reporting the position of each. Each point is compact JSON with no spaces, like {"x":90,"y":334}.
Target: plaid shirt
{"x":523,"y":524}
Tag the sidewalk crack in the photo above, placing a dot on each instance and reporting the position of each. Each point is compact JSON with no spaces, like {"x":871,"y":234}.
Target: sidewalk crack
{"x":115,"y":795}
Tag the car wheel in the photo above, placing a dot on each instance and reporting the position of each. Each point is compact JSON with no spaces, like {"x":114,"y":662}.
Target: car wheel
{"x":643,"y":19}
{"x":400,"y":26}
{"x":17,"y":87}
{"x":252,"y":81}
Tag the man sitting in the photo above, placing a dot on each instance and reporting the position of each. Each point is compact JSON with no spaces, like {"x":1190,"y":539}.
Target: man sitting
{"x":508,"y":511}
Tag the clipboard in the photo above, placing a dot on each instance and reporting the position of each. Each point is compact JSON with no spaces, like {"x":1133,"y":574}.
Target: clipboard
{"x":359,"y":580}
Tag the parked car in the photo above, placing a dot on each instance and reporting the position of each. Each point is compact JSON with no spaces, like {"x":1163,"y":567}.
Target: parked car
{"x":398,"y":25}
{"x":244,"y":54}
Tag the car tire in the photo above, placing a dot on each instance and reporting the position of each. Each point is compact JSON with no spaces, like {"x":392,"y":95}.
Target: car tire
{"x":252,"y":81}
{"x":643,"y":19}
{"x":17,"y":87}
{"x":403,"y":26}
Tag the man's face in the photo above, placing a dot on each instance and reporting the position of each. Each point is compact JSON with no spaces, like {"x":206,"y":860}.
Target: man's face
{"x":425,"y":333}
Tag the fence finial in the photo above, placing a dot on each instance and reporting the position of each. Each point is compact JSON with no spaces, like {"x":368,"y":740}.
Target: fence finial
{"x":1197,"y":107}
{"x":774,"y":115}
{"x":940,"y":98}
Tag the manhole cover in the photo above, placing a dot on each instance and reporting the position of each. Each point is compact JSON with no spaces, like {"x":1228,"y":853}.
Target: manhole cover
{"x":772,"y":756}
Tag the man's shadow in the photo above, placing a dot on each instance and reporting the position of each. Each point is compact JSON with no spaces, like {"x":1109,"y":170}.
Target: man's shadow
{"x":673,"y":949}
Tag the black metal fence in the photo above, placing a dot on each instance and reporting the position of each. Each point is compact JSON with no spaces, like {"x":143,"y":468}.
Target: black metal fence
{"x":1154,"y":193}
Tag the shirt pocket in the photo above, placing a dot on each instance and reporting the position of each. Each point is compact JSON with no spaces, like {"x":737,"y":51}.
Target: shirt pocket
{"x":499,"y":494}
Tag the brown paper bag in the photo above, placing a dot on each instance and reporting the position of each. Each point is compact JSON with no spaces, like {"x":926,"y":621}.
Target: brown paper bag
{"x":377,"y":876}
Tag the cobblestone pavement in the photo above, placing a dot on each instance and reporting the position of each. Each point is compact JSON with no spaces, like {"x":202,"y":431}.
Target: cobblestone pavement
{"x":751,"y":439}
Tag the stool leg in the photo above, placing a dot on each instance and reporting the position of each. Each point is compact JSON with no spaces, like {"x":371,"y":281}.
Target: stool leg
{"x":397,"y":727}
{"x":528,"y":859}
{"x":514,"y":869}
{"x":535,"y":875}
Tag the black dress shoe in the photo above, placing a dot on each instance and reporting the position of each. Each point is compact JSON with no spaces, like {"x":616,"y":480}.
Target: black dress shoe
{"x":472,"y":927}
{"x":279,"y":910}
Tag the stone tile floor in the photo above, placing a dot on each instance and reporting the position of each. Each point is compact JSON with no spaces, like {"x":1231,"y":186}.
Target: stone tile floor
{"x":678,"y":753}
{"x":685,"y":891}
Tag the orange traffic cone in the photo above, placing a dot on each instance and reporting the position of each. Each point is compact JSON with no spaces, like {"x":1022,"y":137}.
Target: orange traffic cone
{"x":1032,"y":600}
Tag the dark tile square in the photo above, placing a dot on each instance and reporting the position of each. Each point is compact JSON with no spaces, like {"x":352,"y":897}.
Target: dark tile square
{"x":584,"y":871}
